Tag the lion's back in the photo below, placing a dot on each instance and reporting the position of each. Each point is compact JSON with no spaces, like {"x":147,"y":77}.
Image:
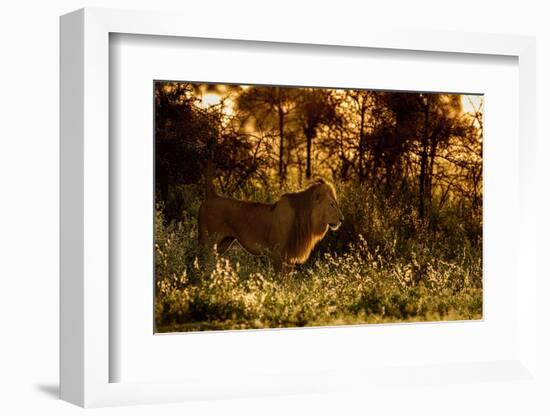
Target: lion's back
{"x":242,"y":218}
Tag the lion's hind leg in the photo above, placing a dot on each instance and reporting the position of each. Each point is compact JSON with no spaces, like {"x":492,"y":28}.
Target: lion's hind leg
{"x":203,"y":230}
{"x":277,"y":262}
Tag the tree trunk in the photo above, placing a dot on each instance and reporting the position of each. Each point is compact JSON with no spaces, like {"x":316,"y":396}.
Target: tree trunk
{"x":429,"y":179}
{"x":344,"y":162}
{"x":423,"y":164}
{"x":309,"y":140}
{"x":281,"y":144}
{"x":344,"y":169}
{"x":162,"y":175}
{"x":362,"y":145}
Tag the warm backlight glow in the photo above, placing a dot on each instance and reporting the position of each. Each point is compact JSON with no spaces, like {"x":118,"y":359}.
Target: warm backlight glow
{"x":210,"y":99}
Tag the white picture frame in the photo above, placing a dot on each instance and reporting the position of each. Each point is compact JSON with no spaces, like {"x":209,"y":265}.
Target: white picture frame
{"x":85,"y":356}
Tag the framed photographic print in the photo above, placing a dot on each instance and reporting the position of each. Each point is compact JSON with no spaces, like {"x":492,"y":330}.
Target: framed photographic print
{"x":306,"y":206}
{"x":272,"y":214}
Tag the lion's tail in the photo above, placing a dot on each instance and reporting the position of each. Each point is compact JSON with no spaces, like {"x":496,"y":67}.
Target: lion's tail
{"x":210,"y":191}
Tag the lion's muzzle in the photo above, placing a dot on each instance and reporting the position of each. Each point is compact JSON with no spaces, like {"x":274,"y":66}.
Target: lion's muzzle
{"x":335,"y":226}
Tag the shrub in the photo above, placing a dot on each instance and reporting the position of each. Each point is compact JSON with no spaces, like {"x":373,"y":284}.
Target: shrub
{"x":383,"y":265}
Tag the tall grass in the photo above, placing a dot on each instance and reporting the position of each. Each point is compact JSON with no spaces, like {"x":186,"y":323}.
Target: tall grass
{"x":383,"y":265}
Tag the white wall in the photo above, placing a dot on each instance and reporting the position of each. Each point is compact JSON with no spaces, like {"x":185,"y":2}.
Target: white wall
{"x":29,"y":185}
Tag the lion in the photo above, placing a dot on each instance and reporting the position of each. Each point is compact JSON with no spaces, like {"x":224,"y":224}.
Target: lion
{"x":287,"y":230}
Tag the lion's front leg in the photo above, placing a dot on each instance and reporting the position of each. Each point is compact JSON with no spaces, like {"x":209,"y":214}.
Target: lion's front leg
{"x":279,"y":265}
{"x":277,"y":261}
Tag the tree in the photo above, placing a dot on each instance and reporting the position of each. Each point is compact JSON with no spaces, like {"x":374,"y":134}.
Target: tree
{"x":362,"y":100}
{"x":314,"y":107}
{"x":399,"y":129}
{"x":181,"y":131}
{"x":442,"y":120}
{"x":420,"y":147}
{"x":269,"y":107}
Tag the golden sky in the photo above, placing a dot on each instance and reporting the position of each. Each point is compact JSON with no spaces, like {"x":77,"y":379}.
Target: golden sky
{"x":470,"y":103}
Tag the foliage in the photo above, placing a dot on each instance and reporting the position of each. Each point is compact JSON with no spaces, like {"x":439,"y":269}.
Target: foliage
{"x":383,"y":265}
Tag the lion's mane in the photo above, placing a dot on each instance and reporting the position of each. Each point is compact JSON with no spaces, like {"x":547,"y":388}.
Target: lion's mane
{"x":303,"y":234}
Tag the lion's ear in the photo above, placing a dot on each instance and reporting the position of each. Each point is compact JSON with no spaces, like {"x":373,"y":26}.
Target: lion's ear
{"x":318,"y":193}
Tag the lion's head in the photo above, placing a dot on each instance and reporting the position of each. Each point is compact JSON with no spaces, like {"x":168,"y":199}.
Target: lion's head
{"x":325,"y":211}
{"x":315,"y":211}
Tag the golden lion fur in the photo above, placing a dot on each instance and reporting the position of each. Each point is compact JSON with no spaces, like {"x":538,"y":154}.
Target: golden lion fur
{"x":286,"y":230}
